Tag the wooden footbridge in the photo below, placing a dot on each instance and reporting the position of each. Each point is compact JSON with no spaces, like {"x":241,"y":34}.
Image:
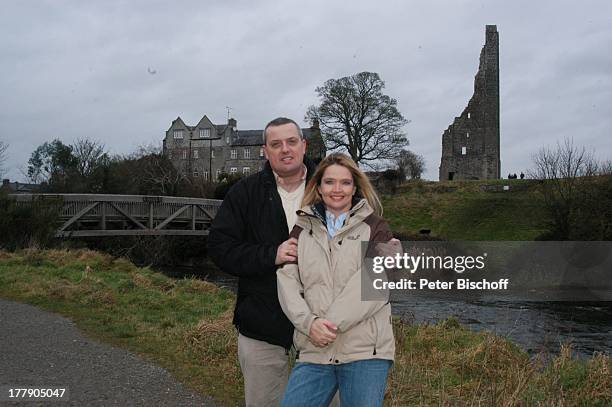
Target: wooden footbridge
{"x":91,"y":215}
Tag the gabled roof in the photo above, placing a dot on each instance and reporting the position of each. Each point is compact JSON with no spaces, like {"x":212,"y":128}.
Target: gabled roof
{"x":179,"y":121}
{"x":240,"y":137}
{"x":220,"y":128}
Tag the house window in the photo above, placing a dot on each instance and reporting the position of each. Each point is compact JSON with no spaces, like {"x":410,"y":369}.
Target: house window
{"x":469,"y":115}
{"x":467,"y":135}
{"x":212,"y":153}
{"x":196,"y":173}
{"x":261,"y":152}
{"x":195,"y":154}
{"x":217,"y":175}
{"x":463,"y":150}
{"x":227,"y":140}
{"x":205,"y":174}
{"x":184,"y":154}
{"x":246,"y":170}
{"x":233,"y":170}
{"x":247,"y":153}
{"x":234,"y":154}
{"x":178,"y":134}
{"x":204,"y":133}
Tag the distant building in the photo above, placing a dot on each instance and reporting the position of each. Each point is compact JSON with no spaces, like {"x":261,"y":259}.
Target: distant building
{"x":19,"y":187}
{"x":207,"y":150}
{"x":470,"y":146}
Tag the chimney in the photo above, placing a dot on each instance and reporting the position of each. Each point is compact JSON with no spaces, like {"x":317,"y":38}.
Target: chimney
{"x":232,"y":123}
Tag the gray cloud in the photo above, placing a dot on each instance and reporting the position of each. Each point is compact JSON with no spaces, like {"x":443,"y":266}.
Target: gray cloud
{"x":84,"y":69}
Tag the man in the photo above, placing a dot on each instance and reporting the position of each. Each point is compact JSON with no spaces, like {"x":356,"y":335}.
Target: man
{"x":249,"y":239}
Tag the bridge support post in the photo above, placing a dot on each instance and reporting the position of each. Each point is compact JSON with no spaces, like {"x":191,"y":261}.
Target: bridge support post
{"x":193,"y":217}
{"x":103,"y":211}
{"x":150,"y":215}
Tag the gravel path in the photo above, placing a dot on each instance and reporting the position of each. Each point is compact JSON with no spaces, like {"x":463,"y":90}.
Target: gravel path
{"x":38,"y":348}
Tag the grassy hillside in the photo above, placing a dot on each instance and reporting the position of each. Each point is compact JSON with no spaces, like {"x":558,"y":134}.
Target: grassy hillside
{"x":468,"y":210}
{"x":185,"y":326}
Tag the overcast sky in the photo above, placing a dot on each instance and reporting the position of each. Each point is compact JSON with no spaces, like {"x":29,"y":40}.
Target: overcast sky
{"x":121,"y":71}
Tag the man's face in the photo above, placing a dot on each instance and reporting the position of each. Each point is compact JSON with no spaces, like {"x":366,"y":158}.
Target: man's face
{"x":284,"y":149}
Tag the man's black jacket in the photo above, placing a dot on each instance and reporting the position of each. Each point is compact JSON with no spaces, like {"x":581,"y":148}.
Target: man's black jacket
{"x":243,"y":239}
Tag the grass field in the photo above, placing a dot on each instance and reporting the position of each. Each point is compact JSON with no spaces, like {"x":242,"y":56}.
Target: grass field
{"x":185,"y":326}
{"x":462,"y":210}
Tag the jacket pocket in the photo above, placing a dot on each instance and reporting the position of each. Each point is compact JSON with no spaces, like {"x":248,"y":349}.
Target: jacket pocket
{"x":299,"y":340}
{"x":360,"y":339}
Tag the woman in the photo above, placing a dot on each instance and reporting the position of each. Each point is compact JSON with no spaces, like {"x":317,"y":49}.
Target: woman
{"x":342,"y":343}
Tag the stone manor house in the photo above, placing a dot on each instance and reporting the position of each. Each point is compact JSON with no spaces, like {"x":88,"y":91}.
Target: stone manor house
{"x":207,"y":150}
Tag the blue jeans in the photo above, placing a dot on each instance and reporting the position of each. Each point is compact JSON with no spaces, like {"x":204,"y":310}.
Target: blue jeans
{"x":361,"y":383}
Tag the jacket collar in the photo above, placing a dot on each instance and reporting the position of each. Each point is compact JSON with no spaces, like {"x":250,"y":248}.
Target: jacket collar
{"x":318,"y":209}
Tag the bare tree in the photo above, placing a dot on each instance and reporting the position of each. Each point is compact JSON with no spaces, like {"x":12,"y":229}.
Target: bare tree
{"x":410,"y":165}
{"x":356,"y":117}
{"x":90,"y":156}
{"x":605,"y":168}
{"x":3,"y":149}
{"x":563,"y":170}
{"x":156,"y":172}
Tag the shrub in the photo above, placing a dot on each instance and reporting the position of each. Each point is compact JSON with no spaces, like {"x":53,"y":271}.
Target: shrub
{"x":28,"y":224}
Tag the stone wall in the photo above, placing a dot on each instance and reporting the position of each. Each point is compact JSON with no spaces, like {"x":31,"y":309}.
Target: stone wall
{"x":470,"y":146}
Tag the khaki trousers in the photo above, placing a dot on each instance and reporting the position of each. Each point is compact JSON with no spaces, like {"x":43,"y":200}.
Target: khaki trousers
{"x":265,"y":368}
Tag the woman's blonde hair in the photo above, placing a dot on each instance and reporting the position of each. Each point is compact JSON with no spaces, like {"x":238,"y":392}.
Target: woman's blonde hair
{"x":361,"y":181}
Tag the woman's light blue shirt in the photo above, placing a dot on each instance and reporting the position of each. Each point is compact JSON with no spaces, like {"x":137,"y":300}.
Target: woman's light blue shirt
{"x":334,"y":223}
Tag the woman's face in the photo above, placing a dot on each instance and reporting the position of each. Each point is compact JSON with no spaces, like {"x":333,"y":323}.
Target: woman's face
{"x":337,"y":189}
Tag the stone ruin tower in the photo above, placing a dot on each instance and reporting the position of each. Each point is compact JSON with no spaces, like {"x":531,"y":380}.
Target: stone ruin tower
{"x":470,"y":146}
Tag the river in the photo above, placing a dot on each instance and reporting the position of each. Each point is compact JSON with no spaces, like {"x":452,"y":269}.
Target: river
{"x":537,"y":327}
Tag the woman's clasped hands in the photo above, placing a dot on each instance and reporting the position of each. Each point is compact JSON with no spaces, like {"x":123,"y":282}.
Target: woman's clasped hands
{"x":322,"y":332}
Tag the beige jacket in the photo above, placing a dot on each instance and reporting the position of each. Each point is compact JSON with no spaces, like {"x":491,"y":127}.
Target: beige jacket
{"x":326,"y":283}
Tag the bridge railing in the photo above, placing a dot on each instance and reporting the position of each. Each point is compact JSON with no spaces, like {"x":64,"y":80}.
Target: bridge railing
{"x":115,"y":215}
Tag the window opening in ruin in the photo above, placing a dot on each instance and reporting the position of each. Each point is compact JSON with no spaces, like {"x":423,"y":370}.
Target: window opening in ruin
{"x":469,"y":115}
{"x":467,"y":135}
{"x":463,"y":150}
{"x":450,"y":176}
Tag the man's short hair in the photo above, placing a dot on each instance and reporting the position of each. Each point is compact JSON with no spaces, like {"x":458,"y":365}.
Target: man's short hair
{"x":279,"y":121}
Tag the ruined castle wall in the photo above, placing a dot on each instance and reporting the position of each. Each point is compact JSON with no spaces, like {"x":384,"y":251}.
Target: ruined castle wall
{"x":470,"y":146}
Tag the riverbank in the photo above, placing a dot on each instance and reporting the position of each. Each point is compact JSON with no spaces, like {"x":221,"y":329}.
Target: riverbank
{"x":184,"y":325}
